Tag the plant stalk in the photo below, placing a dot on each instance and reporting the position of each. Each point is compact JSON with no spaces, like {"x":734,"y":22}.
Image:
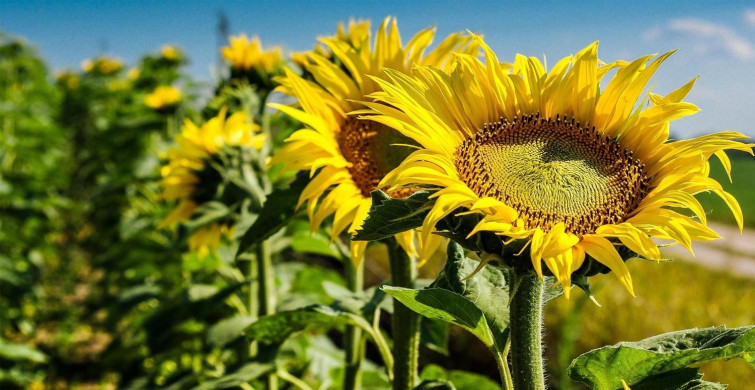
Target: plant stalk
{"x":354,"y":337}
{"x":405,"y":321}
{"x":266,"y":276}
{"x":526,"y":332}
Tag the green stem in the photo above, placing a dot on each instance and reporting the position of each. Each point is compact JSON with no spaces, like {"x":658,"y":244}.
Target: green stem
{"x":405,"y":321}
{"x":266,"y":276}
{"x":503,"y":366}
{"x":253,"y":299}
{"x":354,"y":338}
{"x":296,"y":382}
{"x":526,"y":332}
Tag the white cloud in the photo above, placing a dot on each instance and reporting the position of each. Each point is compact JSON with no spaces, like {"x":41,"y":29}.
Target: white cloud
{"x":749,"y":16}
{"x":707,"y":37}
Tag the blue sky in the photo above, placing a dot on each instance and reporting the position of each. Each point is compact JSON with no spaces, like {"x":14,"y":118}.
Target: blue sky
{"x":716,"y":40}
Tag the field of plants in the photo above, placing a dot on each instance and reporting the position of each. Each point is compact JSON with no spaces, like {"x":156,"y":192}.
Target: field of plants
{"x":160,"y":232}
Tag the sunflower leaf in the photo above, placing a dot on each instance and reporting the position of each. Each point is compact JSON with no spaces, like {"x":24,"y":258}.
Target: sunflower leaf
{"x":277,"y":211}
{"x":389,"y":216}
{"x":444,"y":305}
{"x":604,"y":368}
{"x":276,"y":328}
{"x":488,"y":289}
{"x":684,"y":379}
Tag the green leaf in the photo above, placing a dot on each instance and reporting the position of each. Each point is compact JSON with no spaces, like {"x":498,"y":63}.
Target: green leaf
{"x":604,"y":368}
{"x":315,"y":242}
{"x":434,"y":335}
{"x":279,"y":208}
{"x":444,"y":305}
{"x":244,"y":374}
{"x":277,"y":327}
{"x":435,"y":375}
{"x":209,"y":212}
{"x":17,"y":352}
{"x":488,"y":289}
{"x":388,"y":216}
{"x":228,"y":330}
{"x":683,"y":379}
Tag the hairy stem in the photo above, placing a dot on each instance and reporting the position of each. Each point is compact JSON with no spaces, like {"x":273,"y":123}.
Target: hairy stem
{"x":526,"y":332}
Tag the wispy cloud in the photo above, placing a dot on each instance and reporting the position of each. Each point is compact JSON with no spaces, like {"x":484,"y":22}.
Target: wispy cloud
{"x":749,"y":16}
{"x":707,"y":37}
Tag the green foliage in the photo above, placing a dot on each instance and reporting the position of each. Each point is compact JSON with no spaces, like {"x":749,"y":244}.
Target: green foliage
{"x":275,"y":214}
{"x":436,"y":377}
{"x":604,"y":368}
{"x":389,"y":216}
{"x":444,"y":305}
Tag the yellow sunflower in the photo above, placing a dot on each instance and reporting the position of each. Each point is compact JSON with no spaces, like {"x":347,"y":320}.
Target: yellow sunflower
{"x":171,"y":53}
{"x":549,"y":157}
{"x":186,"y":166}
{"x":163,"y":97}
{"x":353,"y":155}
{"x":245,"y":54}
{"x":103,"y":65}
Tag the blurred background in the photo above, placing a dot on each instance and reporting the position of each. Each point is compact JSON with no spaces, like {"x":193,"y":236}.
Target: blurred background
{"x":78,"y":204}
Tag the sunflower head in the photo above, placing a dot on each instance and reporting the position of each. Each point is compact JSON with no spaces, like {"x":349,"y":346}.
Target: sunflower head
{"x":349,"y":157}
{"x":102,"y":65}
{"x":68,"y":80}
{"x":550,"y":161}
{"x":171,"y":53}
{"x":249,"y":60}
{"x":190,"y":176}
{"x":163,"y":97}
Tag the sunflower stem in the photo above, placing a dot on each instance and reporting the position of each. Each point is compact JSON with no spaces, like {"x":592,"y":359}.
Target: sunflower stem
{"x":526,"y":332}
{"x":253,"y":299}
{"x":354,"y":337}
{"x":405,"y":321}
{"x":266,"y":276}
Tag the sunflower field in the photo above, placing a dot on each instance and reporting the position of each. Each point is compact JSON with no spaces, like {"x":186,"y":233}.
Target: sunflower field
{"x":374,"y":213}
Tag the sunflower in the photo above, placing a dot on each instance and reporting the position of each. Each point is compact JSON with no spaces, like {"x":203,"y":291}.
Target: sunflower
{"x":170,"y":53}
{"x":103,"y":65}
{"x":163,"y":97}
{"x":353,"y":155}
{"x":244,"y":54}
{"x":549,"y":157}
{"x":186,"y":177}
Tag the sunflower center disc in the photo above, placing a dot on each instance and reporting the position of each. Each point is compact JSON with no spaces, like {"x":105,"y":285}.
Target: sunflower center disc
{"x":553,"y":170}
{"x":370,"y":148}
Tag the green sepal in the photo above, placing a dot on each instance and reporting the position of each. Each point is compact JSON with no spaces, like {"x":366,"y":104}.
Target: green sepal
{"x":388,"y":217}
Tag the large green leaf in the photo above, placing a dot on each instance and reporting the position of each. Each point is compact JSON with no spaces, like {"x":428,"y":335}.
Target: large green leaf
{"x":488,"y":289}
{"x":279,"y":208}
{"x":604,"y":368}
{"x":388,"y":216}
{"x":444,"y":305}
{"x":277,"y":327}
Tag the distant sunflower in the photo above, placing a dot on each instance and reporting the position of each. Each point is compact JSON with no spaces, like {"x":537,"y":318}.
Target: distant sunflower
{"x":103,"y":65}
{"x":353,"y":155}
{"x":186,"y":177}
{"x":163,"y":97}
{"x":551,"y":158}
{"x":245,"y":54}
